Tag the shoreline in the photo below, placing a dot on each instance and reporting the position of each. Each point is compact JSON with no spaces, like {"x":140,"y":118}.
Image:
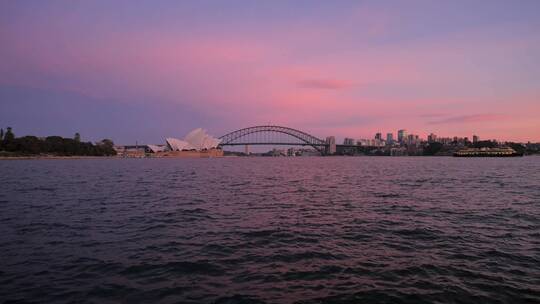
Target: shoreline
{"x":53,"y":157}
{"x":226,"y":156}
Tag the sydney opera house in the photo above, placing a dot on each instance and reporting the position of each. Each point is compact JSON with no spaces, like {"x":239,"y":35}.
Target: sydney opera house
{"x":195,"y":144}
{"x":196,"y":140}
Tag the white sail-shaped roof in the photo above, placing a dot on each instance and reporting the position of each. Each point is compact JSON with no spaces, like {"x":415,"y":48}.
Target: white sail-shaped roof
{"x":176,"y":144}
{"x":200,"y":140}
{"x":196,"y":139}
{"x":211,"y":142}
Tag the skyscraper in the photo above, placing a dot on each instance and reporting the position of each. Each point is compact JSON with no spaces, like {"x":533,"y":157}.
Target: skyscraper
{"x":378,"y":136}
{"x":401,"y":136}
{"x":475,"y":139}
{"x":389,"y":138}
{"x":348,"y":141}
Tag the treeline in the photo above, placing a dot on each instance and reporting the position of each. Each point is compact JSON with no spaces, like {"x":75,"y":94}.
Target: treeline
{"x":52,"y":145}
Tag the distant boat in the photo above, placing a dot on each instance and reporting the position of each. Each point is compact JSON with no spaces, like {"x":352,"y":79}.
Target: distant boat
{"x":487,"y":152}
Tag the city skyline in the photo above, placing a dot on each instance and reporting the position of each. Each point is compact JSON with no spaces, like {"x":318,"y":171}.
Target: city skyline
{"x":148,"y":70}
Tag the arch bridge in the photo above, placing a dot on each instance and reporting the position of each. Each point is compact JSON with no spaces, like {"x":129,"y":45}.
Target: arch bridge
{"x":272,"y":135}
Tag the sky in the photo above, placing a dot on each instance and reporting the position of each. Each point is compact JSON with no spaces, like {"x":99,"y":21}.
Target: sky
{"x":146,"y":70}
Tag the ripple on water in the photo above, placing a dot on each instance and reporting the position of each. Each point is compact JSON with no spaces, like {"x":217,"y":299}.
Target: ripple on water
{"x":271,"y":230}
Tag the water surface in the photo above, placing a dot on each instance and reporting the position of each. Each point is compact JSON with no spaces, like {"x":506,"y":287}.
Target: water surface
{"x":271,"y":230}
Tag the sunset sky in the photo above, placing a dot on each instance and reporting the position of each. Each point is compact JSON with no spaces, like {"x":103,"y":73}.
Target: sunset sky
{"x":145,"y":70}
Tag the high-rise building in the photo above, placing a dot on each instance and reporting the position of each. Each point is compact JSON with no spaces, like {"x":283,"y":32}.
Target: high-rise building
{"x":401,"y":136}
{"x":432,"y":138}
{"x":389,"y":138}
{"x":378,"y":136}
{"x":348,"y":141}
{"x":331,"y":141}
{"x":475,"y":139}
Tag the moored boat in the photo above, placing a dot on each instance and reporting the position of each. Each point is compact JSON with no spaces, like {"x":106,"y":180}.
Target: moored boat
{"x":487,"y":152}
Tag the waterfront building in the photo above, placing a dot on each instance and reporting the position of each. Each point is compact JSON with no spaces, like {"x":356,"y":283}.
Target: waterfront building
{"x":348,"y":141}
{"x":402,"y":136}
{"x":445,"y":140}
{"x":389,"y":138}
{"x":378,"y":136}
{"x":132,"y":151}
{"x":156,"y":148}
{"x":362,"y":142}
{"x":371,"y":142}
{"x":432,"y":138}
{"x":291,"y":152}
{"x":277,"y":152}
{"x":475,"y":139}
{"x":331,"y":141}
{"x":401,"y":151}
{"x":196,"y":140}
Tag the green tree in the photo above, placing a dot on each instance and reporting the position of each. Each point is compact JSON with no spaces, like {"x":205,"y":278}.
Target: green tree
{"x":29,"y":145}
{"x":9,"y":136}
{"x":106,"y":147}
{"x":54,"y":145}
{"x":519,"y":148}
{"x":432,"y":148}
{"x":8,"y":143}
{"x":485,"y":144}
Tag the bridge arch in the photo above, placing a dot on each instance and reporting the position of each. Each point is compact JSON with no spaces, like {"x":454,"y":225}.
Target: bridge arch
{"x":245,"y":137}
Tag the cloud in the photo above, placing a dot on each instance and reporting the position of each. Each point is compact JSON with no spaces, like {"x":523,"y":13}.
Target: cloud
{"x":432,"y":115}
{"x":468,"y":119}
{"x":328,"y":84}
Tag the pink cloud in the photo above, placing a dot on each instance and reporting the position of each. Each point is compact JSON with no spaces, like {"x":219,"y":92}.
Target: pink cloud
{"x":248,"y":79}
{"x":476,"y":118}
{"x":328,"y":84}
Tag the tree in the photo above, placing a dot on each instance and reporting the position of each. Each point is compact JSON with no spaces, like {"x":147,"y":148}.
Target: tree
{"x":9,"y":136}
{"x":55,"y":145}
{"x":432,"y":148}
{"x":519,"y":148}
{"x":106,"y":147}
{"x":29,"y":145}
{"x":485,"y":144}
{"x":8,"y":143}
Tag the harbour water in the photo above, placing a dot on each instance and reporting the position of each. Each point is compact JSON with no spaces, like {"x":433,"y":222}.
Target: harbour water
{"x":271,"y":230}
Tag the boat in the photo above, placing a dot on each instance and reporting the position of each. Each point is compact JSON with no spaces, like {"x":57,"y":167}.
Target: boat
{"x":487,"y":152}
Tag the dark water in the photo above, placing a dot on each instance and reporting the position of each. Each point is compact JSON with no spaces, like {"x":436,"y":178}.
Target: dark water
{"x":254,"y":230}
